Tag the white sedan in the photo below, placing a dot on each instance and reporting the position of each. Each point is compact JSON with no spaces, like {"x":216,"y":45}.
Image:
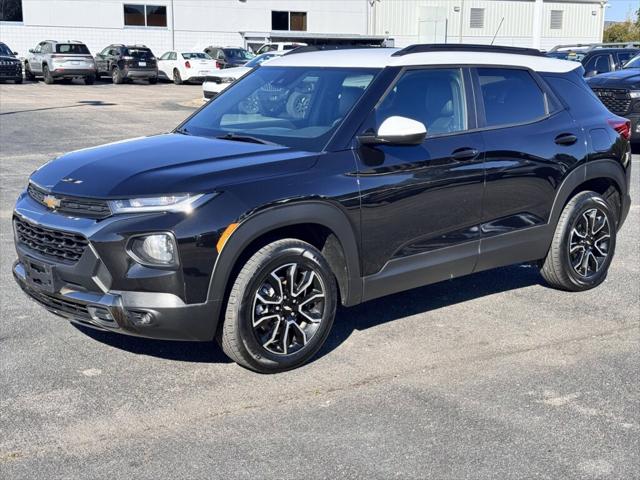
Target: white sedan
{"x":186,"y":66}
{"x":223,"y":78}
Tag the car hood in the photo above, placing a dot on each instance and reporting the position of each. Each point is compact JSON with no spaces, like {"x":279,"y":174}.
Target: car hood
{"x":165,"y":164}
{"x":625,"y":78}
{"x":236,"y":72}
{"x":4,"y":58}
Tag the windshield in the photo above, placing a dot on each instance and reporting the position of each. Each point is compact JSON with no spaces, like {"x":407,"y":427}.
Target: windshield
{"x":201,"y":55}
{"x":238,"y":54}
{"x":4,"y":50}
{"x":73,"y":48}
{"x":260,"y":59}
{"x":633,"y":63}
{"x":292,"y":106}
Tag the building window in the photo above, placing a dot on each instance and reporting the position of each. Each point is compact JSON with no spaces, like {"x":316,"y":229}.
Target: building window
{"x":10,"y":10}
{"x":145,"y":15}
{"x":556,"y":19}
{"x":289,"y":21}
{"x":477,"y":18}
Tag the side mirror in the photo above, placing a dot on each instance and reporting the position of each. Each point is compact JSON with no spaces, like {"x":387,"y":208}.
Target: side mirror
{"x":15,"y":53}
{"x":396,"y":131}
{"x":591,"y":73}
{"x":31,"y":50}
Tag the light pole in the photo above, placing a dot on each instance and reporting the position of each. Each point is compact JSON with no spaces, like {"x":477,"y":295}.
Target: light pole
{"x":173,"y":28}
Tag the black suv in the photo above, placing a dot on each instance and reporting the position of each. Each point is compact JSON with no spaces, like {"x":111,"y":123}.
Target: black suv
{"x":605,"y":60}
{"x":323,"y":178}
{"x":10,"y":66}
{"x":127,"y":62}
{"x":620,"y":92}
{"x":229,"y":57}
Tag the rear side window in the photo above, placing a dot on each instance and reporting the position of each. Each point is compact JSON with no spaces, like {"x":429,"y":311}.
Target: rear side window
{"x":510,"y":96}
{"x":75,"y":48}
{"x":598,"y":64}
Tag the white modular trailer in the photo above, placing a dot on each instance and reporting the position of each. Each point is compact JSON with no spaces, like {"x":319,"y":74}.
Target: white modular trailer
{"x":194,"y":24}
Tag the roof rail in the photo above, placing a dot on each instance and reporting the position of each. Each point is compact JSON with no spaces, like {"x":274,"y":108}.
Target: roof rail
{"x":140,"y":45}
{"x":462,"y":47}
{"x":319,"y":48}
{"x":587,"y":47}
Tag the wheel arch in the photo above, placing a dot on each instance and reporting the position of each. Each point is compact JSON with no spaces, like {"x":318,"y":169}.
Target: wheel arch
{"x":322,"y":224}
{"x":596,"y":175}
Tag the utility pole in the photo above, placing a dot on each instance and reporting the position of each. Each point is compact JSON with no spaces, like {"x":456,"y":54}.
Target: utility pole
{"x":173,"y":27}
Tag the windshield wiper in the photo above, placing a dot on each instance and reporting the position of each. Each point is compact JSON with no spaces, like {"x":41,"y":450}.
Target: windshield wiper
{"x":244,"y":138}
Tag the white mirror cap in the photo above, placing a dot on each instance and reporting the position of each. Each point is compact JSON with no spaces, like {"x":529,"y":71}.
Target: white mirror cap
{"x":398,"y":127}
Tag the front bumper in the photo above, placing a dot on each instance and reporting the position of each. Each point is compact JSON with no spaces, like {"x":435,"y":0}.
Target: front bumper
{"x":144,"y":314}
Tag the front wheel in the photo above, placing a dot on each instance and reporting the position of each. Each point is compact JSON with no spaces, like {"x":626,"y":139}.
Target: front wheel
{"x":177,"y":78}
{"x":583,"y":244}
{"x":89,"y":79}
{"x":116,"y":76}
{"x":28,"y":73}
{"x":280,"y":309}
{"x":48,"y":78}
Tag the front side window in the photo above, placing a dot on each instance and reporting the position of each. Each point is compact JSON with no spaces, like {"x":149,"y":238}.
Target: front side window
{"x":510,"y":96}
{"x":10,"y":10}
{"x":434,"y":97}
{"x":624,"y":57}
{"x":238,"y":54}
{"x":145,"y":15}
{"x":294,"y":107}
{"x":598,"y":64}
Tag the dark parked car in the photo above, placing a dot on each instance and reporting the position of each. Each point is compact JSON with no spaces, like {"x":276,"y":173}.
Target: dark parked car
{"x":127,"y":62}
{"x":620,"y":92}
{"x":229,"y":57}
{"x":323,"y":178}
{"x":606,"y":60}
{"x":10,"y":66}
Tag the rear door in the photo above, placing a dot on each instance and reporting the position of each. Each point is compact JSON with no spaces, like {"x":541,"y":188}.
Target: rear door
{"x":531,"y":143}
{"x":421,"y":204}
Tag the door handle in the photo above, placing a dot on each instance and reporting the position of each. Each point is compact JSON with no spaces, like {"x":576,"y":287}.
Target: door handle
{"x":464,"y":154}
{"x":566,"y":139}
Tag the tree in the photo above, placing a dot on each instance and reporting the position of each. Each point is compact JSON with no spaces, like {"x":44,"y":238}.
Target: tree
{"x":623,"y":31}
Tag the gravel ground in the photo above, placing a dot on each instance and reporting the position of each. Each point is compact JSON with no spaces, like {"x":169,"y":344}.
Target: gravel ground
{"x":490,"y":376}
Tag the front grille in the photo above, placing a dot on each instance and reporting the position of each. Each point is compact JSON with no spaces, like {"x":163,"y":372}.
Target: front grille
{"x":615,"y":99}
{"x":79,"y":207}
{"x":64,"y":246}
{"x":10,"y":68}
{"x":63,"y":306}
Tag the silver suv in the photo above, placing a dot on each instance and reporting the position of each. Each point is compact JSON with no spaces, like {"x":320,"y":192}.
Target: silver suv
{"x":54,"y":60}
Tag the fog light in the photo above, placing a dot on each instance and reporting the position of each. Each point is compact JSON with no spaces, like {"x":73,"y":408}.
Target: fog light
{"x":100,"y":314}
{"x":140,"y":318}
{"x":157,"y":250}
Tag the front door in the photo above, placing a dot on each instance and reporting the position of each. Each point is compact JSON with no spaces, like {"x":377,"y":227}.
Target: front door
{"x":421,"y":205}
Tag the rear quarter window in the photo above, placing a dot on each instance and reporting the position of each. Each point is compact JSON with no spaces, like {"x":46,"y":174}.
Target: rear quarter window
{"x":575,"y":92}
{"x":510,"y":96}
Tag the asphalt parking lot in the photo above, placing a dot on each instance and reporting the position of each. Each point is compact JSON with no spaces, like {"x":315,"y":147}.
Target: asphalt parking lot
{"x":490,"y":376}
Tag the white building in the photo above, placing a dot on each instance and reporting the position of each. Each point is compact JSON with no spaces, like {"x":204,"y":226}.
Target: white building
{"x":195,"y":24}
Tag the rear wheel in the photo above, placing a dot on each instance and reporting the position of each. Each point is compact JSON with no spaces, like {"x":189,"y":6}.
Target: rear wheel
{"x":281,"y":307}
{"x":116,"y":75}
{"x":177,"y":78}
{"x":18,"y":80}
{"x":153,"y":80}
{"x":48,"y":78}
{"x":89,"y":79}
{"x":583,"y":244}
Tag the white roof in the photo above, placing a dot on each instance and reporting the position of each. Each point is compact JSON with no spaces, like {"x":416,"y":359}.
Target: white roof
{"x":381,"y":57}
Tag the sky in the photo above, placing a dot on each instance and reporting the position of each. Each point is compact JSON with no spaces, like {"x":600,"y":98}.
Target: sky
{"x":618,"y":9}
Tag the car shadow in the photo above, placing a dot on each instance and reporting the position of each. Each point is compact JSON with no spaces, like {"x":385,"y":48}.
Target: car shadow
{"x":361,"y":317}
{"x":427,"y":299}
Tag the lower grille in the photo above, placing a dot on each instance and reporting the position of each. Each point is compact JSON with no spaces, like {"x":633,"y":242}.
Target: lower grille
{"x":68,"y":307}
{"x":80,"y":207}
{"x":615,"y":99}
{"x":55,"y":244}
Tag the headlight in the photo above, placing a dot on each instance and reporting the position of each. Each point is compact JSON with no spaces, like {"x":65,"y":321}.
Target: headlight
{"x":634,"y":93}
{"x":167,"y":203}
{"x":158,"y":249}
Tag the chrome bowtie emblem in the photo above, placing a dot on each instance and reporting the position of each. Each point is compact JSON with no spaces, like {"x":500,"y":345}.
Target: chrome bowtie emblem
{"x":51,"y":201}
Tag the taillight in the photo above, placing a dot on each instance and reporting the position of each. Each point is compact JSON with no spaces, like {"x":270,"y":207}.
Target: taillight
{"x":218,"y":65}
{"x":622,"y":126}
{"x":187,"y":64}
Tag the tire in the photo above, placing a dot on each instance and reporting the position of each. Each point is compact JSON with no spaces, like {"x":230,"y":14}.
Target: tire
{"x":48,"y":78}
{"x":153,"y":80}
{"x":259,"y":315}
{"x":116,"y":76}
{"x":177,"y":79}
{"x":18,"y":80}
{"x":89,"y":79}
{"x":28,"y":74}
{"x":566,"y":267}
